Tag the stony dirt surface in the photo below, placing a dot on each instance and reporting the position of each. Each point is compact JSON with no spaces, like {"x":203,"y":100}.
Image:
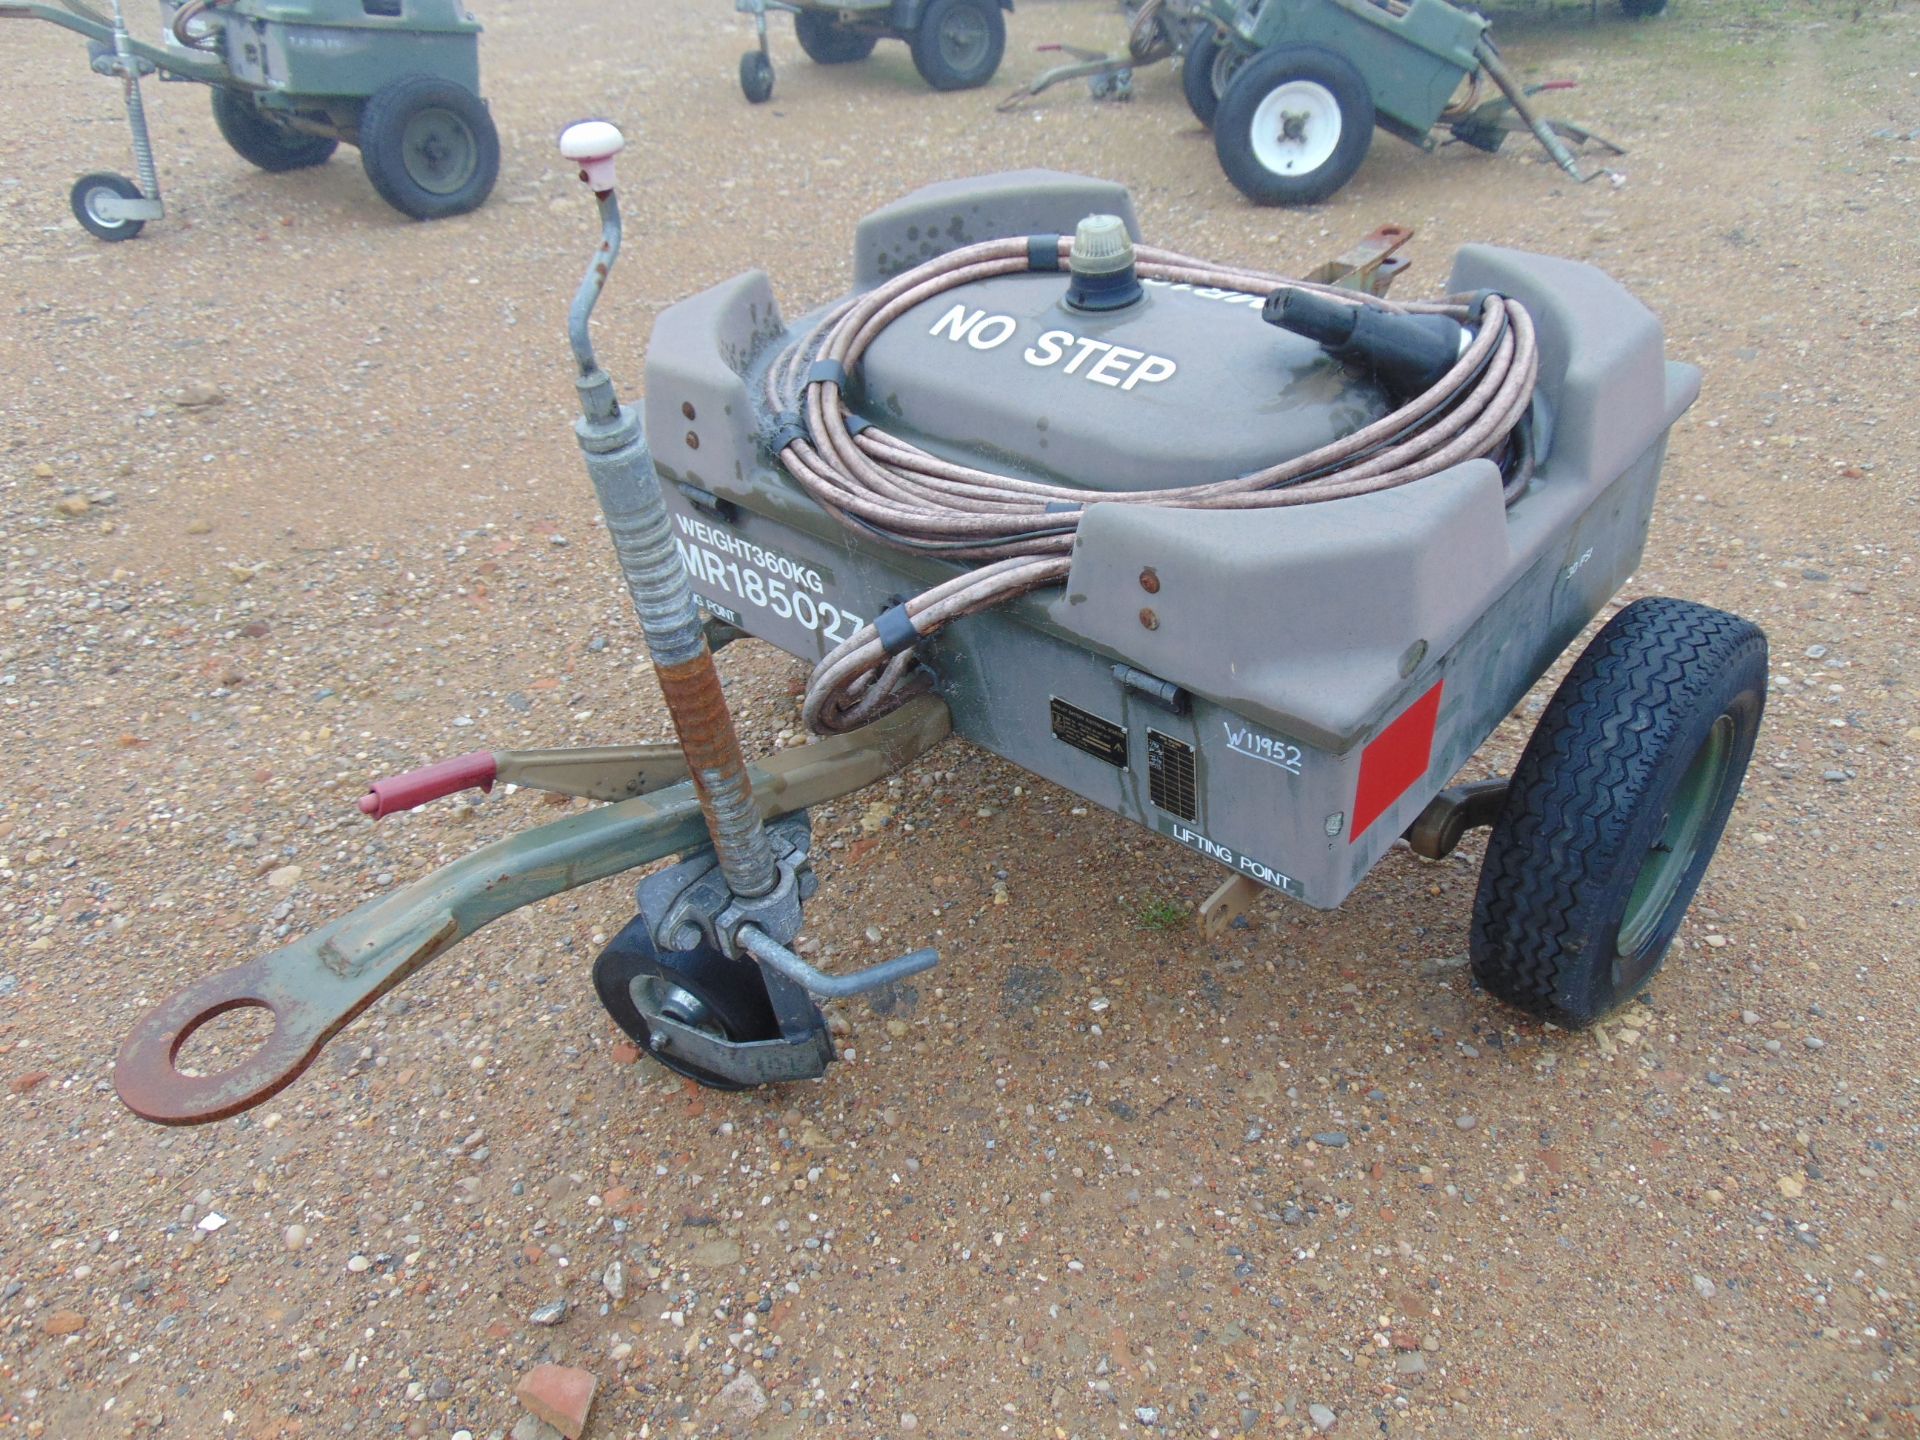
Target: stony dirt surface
{"x":1094,"y":1177}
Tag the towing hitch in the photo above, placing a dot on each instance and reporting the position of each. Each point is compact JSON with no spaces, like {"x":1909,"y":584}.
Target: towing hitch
{"x":705,"y":977}
{"x":315,"y":986}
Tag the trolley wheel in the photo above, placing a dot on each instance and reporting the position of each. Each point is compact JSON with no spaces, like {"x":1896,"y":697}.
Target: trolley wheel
{"x":756,"y":77}
{"x":700,"y":988}
{"x":1294,"y":125}
{"x":1615,"y":809}
{"x":827,"y":41}
{"x":1206,"y":70}
{"x":89,"y":190}
{"x":959,"y":43}
{"x":1642,"y":9}
{"x":261,"y":140}
{"x":429,"y":147}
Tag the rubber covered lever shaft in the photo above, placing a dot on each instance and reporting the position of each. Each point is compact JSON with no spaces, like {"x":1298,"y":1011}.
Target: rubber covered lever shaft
{"x":430,"y":782}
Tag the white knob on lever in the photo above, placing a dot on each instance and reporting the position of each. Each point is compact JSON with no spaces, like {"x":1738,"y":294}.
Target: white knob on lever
{"x":592,"y":144}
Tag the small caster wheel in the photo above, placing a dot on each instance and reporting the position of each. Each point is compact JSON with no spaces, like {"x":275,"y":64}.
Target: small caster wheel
{"x":1615,"y":809}
{"x":87,"y":197}
{"x":698,"y":988}
{"x":756,"y":77}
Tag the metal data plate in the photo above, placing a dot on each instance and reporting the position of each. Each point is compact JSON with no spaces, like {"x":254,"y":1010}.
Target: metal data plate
{"x":1170,"y":775}
{"x":1086,"y":731}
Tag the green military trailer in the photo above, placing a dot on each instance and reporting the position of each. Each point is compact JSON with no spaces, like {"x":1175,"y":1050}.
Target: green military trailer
{"x":291,"y":81}
{"x":956,"y":44}
{"x":1293,"y":89}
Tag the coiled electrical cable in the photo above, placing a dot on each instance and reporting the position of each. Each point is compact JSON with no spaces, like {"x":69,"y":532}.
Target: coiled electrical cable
{"x":1018,"y":534}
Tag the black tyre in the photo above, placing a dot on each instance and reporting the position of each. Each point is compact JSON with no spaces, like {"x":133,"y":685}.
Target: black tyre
{"x":1615,"y":809}
{"x":701,"y":988}
{"x":756,"y":77}
{"x":1205,"y":72}
{"x":85,"y":198}
{"x":959,"y":43}
{"x":1293,"y":126}
{"x":827,"y":41}
{"x":261,"y":140}
{"x":429,"y":147}
{"x":1641,"y":9}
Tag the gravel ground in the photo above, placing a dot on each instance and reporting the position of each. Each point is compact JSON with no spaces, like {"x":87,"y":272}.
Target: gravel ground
{"x":1093,"y":1178}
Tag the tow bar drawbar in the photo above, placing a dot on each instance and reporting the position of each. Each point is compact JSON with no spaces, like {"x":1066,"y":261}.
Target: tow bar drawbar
{"x":738,"y":891}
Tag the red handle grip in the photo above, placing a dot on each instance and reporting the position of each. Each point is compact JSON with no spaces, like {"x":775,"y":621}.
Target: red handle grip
{"x":429,"y":782}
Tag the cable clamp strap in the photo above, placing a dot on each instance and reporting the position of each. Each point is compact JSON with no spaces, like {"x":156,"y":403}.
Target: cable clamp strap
{"x":790,"y":426}
{"x":857,"y":423}
{"x":831,"y":372}
{"x":895,"y":629}
{"x":1043,"y":252}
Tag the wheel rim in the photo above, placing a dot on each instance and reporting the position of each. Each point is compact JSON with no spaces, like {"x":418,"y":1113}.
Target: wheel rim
{"x":90,"y":201}
{"x":1296,"y":128}
{"x":964,"y":38}
{"x":1673,"y":850}
{"x":678,"y":1004}
{"x":649,"y":992}
{"x":439,"y":151}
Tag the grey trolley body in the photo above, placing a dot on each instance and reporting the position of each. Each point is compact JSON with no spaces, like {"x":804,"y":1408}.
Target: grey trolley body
{"x":1281,"y":690}
{"x":1286,"y":691}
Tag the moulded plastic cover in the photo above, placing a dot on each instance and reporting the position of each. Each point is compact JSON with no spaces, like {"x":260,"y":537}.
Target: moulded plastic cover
{"x":1183,"y":387}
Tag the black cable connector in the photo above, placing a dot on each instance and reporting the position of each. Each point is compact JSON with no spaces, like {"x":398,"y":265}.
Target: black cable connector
{"x":1408,"y":354}
{"x":895,"y":629}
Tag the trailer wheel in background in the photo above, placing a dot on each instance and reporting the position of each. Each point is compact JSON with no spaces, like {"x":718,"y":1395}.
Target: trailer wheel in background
{"x":1615,"y":809}
{"x":260,"y":140}
{"x":1294,"y":125}
{"x":756,"y":77}
{"x":959,"y":43}
{"x":1206,"y":70}
{"x":429,"y":147}
{"x":827,"y":41}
